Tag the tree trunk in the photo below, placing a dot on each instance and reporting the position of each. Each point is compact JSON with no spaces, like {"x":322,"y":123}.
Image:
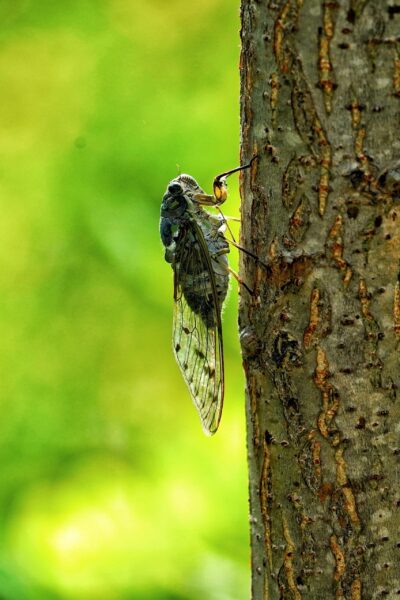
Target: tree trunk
{"x":320,"y":105}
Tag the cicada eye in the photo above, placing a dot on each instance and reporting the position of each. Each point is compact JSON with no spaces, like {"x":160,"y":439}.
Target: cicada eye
{"x":174,"y":189}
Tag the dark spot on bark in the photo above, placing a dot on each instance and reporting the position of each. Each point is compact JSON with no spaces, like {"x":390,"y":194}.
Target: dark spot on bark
{"x":396,"y":451}
{"x":347,"y":370}
{"x":377,"y":108}
{"x":388,"y":237}
{"x":285,"y":349}
{"x":177,"y":347}
{"x":393,"y":10}
{"x":351,"y":16}
{"x":293,"y":403}
{"x":268,"y":437}
{"x":356,"y":177}
{"x":378,"y":221}
{"x":382,"y":413}
{"x":361,"y":423}
{"x":333,"y":432}
{"x":381,"y":290}
{"x":348,"y":321}
{"x":343,"y":46}
{"x":352,"y":212}
{"x":382,"y":179}
{"x":347,"y":30}
{"x":350,"y":409}
{"x":299,"y":580}
{"x":385,"y":538}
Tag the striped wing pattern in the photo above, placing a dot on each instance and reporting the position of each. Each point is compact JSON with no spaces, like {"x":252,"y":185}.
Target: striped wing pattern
{"x":197,"y":331}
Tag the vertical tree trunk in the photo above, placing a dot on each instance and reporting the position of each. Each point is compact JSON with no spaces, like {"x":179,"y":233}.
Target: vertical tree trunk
{"x":320,"y":105}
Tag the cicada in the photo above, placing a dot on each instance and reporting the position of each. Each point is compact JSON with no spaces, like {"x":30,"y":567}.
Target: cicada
{"x":196,"y":248}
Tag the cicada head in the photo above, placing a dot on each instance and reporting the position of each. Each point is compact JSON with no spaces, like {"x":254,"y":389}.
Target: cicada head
{"x":174,"y":203}
{"x":178,"y":198}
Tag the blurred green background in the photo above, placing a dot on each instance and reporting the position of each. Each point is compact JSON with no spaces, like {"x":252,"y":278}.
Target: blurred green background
{"x":108,"y":487}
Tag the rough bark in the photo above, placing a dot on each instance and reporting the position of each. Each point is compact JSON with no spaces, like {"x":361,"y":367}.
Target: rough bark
{"x":320,"y":105}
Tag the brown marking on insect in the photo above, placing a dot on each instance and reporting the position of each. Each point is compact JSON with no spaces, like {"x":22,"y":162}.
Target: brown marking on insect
{"x":288,"y":561}
{"x":335,"y":242}
{"x":339,"y":557}
{"x":314,"y":318}
{"x":273,"y":100}
{"x":355,"y":590}
{"x":396,"y":308}
{"x":265,"y":496}
{"x":279,"y":35}
{"x":396,"y":77}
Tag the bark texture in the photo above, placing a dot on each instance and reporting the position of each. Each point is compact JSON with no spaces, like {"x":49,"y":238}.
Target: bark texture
{"x":320,"y":105}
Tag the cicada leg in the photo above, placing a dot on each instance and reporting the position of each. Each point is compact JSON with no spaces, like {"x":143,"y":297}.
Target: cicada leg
{"x":248,"y":252}
{"x":240,"y":281}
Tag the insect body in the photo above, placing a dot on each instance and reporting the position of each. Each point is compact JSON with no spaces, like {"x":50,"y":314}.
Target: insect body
{"x":197,"y":249}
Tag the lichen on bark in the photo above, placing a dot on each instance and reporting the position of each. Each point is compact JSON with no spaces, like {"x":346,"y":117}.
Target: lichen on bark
{"x":320,"y":106}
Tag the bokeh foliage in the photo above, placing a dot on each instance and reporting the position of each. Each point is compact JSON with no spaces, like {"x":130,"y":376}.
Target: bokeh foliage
{"x":109,"y":489}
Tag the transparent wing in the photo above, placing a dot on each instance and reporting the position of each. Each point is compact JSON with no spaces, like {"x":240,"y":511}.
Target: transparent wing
{"x":197,"y":331}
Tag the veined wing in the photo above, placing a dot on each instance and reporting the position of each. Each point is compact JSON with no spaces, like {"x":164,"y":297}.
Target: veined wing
{"x":197,"y":330}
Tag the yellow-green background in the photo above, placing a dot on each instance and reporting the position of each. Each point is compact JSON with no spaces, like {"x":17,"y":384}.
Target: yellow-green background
{"x":108,"y":487}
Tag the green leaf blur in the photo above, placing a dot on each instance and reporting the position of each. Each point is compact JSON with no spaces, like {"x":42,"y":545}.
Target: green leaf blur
{"x":109,"y":489}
